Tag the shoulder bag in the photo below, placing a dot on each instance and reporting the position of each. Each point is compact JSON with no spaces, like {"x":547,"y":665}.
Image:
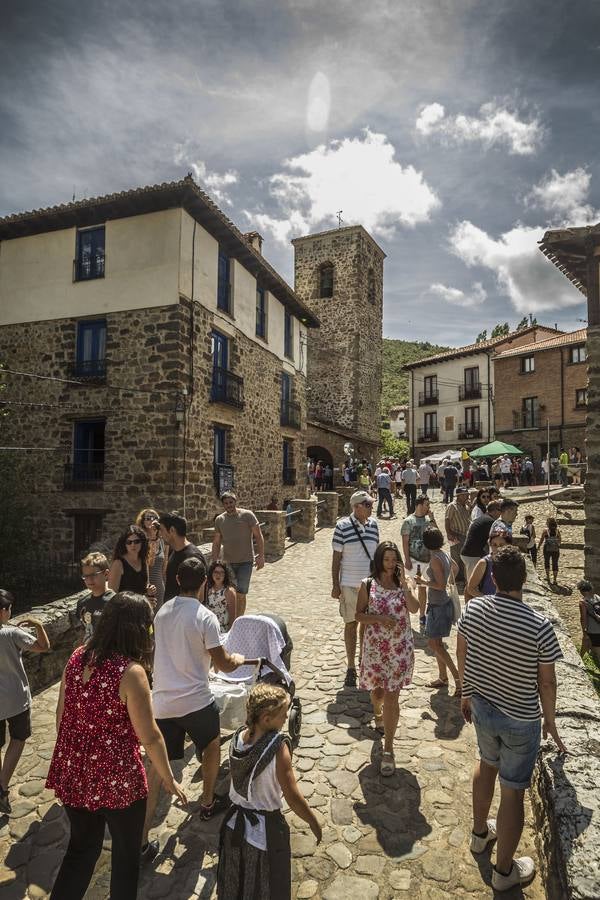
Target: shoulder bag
{"x":359,"y":536}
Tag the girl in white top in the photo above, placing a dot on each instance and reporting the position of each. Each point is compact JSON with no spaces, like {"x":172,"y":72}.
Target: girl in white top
{"x":254,"y":850}
{"x":481,"y":501}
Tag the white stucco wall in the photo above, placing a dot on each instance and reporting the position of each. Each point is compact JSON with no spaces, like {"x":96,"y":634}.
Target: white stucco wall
{"x":141,"y":270}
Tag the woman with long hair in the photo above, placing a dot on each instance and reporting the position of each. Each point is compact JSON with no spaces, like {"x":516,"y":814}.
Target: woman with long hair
{"x":104,"y":713}
{"x":129,"y":568}
{"x":219,"y":594}
{"x":385,"y":602}
{"x":147,"y":519}
{"x":551,"y":540}
{"x":481,"y":501}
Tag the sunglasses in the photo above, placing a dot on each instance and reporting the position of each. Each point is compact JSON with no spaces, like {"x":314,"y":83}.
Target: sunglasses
{"x":134,"y":541}
{"x":91,"y":575}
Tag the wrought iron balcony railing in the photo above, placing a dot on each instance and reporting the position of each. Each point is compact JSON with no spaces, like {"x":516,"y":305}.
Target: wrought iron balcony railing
{"x":428,"y":398}
{"x":469,"y":391}
{"x":227,"y":388}
{"x":89,"y":369}
{"x":88,"y":267}
{"x":428,"y":435}
{"x":469,"y":432}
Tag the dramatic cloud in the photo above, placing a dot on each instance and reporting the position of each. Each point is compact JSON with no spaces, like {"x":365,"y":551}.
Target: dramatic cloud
{"x":359,"y":176}
{"x":495,"y":125}
{"x":214,"y":183}
{"x":522,"y":272}
{"x":565,"y":197}
{"x":456,"y":297}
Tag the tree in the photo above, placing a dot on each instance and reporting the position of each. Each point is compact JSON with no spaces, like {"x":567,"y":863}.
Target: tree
{"x":500,"y":330}
{"x":391,"y":446}
{"x":481,"y":337}
{"x":524,"y":323}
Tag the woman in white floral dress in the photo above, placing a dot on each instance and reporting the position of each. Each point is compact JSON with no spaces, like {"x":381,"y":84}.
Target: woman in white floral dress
{"x":385,"y":602}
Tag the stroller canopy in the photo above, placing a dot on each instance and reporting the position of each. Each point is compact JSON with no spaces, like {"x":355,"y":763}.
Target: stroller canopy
{"x":254,"y":636}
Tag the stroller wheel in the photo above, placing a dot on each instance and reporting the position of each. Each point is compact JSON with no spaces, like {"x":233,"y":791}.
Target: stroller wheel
{"x":295,"y":721}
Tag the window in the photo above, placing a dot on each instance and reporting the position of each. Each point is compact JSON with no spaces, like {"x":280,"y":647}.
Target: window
{"x":224,"y":283}
{"x":581,"y":397}
{"x":91,"y":349}
{"x":529,"y":412}
{"x":431,"y":423}
{"x":578,"y":354}
{"x":87,"y":469}
{"x":527,"y":364}
{"x":288,"y":335}
{"x":87,"y":530}
{"x":289,"y":473}
{"x":261,"y":313}
{"x":431,"y":388}
{"x":326,"y":280}
{"x":226,"y":386}
{"x":89,"y":261}
{"x":472,"y":417}
{"x":371,"y":286}
{"x":220,"y":445}
{"x":224,"y":473}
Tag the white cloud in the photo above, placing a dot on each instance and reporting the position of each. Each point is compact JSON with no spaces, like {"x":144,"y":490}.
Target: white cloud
{"x":565,"y":197}
{"x":214,"y":182}
{"x":358,"y":175}
{"x":495,"y":124}
{"x":530,"y":281}
{"x":456,"y":297}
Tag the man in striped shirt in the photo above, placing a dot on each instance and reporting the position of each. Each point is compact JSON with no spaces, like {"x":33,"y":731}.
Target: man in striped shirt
{"x":506,"y":654}
{"x":355,"y":540}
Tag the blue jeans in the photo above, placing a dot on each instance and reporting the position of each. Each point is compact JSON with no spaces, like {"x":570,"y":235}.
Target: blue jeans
{"x":385,"y":494}
{"x":509,"y":745}
{"x":242,"y":572}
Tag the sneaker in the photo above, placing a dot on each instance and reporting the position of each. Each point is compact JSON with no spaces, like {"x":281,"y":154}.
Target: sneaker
{"x":523,"y":870}
{"x":5,"y":806}
{"x":350,"y":679}
{"x":149,"y":851}
{"x":217,"y":806}
{"x":478,"y":844}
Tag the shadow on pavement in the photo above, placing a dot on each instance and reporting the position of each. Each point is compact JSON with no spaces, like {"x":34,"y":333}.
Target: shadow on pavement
{"x":449,"y":721}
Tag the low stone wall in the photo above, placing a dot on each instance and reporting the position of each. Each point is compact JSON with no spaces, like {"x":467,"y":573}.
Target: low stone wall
{"x":565,"y":792}
{"x":65,"y":632}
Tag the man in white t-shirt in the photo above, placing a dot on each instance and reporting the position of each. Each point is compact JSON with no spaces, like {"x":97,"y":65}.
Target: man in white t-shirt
{"x":187,"y":638}
{"x":425,"y":473}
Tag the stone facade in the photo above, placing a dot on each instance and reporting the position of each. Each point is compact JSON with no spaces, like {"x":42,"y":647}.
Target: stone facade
{"x":554,"y":382}
{"x":344,"y":357}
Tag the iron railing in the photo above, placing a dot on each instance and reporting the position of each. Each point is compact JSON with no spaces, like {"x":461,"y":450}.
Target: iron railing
{"x":84,"y":476}
{"x":89,"y":369}
{"x":428,"y":398}
{"x":428,"y":435}
{"x":469,"y":432}
{"x":227,"y":388}
{"x":290,"y":414}
{"x":87,"y":267}
{"x":289,"y":476}
{"x":469,"y":391}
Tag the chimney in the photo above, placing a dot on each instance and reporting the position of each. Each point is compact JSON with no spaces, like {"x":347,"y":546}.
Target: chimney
{"x":255,"y":240}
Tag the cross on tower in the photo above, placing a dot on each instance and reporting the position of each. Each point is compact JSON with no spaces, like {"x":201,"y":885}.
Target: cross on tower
{"x":339,"y":217}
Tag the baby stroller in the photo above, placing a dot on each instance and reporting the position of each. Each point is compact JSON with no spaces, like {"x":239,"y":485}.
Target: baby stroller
{"x":263,"y":638}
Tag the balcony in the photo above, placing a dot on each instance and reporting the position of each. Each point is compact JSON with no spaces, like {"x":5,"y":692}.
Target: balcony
{"x":289,"y":476}
{"x":87,"y":267}
{"x":428,"y":435}
{"x":89,"y":369}
{"x":469,"y":391}
{"x":84,"y":476}
{"x":290,"y":414}
{"x":523,"y":419}
{"x":428,"y":398}
{"x":227,"y":388}
{"x":469,"y":432}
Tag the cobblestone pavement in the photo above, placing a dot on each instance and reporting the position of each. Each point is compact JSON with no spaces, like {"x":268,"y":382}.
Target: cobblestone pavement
{"x":406,"y":836}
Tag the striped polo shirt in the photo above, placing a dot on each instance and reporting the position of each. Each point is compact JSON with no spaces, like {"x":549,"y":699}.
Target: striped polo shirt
{"x":355,"y":563}
{"x":506,"y":639}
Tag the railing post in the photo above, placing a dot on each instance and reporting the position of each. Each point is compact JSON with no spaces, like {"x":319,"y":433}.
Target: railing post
{"x":303,"y":526}
{"x":273,"y":529}
{"x":327,"y":508}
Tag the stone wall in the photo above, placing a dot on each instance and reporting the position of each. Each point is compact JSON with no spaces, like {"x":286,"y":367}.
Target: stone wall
{"x":564,"y":792}
{"x":345,"y":354}
{"x":151,"y":356}
{"x":65,"y":632}
{"x":592,"y":452}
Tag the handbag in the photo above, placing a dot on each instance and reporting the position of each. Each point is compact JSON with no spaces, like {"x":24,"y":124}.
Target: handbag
{"x":359,"y":536}
{"x":452,"y":592}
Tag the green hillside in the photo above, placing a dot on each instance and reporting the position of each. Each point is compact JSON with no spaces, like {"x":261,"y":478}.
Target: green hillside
{"x":395,"y":382}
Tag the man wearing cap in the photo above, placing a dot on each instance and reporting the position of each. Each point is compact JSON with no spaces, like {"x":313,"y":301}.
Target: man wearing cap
{"x":355,"y":540}
{"x":457,"y":521}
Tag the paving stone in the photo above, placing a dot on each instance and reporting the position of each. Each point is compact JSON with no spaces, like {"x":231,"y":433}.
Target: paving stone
{"x":319,"y":717}
{"x":457,"y":837}
{"x":307,"y":889}
{"x":370,"y":865}
{"x":438,"y":797}
{"x":342,"y":812}
{"x":329,"y":763}
{"x":22,"y":808}
{"x":32,"y":788}
{"x":304,"y":765}
{"x":351,"y":834}
{"x":320,"y":868}
{"x":355,"y":761}
{"x":302,"y":845}
{"x":437,"y":865}
{"x":399,"y":879}
{"x":340,"y":854}
{"x":349,"y":887}
{"x":342,"y":781}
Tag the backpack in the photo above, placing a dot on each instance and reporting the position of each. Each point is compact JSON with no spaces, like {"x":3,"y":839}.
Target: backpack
{"x":552,"y":543}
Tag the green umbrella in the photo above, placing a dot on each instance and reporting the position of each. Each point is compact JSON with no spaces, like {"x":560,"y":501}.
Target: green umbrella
{"x":496,"y":448}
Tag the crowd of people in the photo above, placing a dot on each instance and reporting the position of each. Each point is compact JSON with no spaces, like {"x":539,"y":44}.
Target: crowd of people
{"x":153,"y":622}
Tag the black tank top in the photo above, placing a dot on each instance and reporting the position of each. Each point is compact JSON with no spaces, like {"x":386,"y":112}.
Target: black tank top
{"x":132,"y":580}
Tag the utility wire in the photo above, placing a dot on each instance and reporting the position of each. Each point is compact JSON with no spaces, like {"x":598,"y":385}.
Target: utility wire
{"x":108,"y":387}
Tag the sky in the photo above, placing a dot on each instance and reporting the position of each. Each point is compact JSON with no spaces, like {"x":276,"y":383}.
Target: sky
{"x":455,"y":131}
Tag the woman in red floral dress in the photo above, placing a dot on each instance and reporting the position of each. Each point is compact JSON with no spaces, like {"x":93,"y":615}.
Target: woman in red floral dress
{"x":384,"y":603}
{"x":104,"y":711}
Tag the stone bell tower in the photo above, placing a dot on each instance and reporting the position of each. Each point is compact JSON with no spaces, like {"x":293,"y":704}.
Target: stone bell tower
{"x":339,"y":275}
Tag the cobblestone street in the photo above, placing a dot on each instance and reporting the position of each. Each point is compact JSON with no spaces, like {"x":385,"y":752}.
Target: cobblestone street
{"x":405,"y":836}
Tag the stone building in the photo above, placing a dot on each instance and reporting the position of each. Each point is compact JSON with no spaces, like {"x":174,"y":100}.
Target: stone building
{"x":173,"y":359}
{"x":576,"y":252}
{"x":539,"y":383}
{"x":451,"y":395}
{"x":339,"y":277}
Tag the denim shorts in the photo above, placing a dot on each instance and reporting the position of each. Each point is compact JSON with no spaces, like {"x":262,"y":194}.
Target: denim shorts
{"x":242,"y":572}
{"x":509,"y":745}
{"x":439,"y":620}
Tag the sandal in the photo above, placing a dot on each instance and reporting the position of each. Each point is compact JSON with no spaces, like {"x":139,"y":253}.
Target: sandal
{"x":388,"y":764}
{"x":439,"y":683}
